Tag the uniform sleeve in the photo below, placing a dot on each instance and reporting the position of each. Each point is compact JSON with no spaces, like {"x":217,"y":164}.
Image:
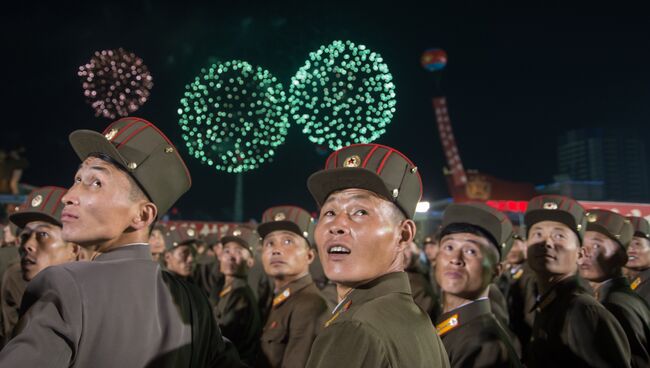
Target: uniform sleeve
{"x":236,"y":312}
{"x":50,"y":326}
{"x":597,"y":338}
{"x":488,"y":351}
{"x":347,"y":344}
{"x":306,"y":320}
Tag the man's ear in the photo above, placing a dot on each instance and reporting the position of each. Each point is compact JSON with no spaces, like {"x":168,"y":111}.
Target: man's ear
{"x":76,"y":251}
{"x":146,"y":216}
{"x":407,"y":230}
{"x":310,"y":256}
{"x":250,"y":262}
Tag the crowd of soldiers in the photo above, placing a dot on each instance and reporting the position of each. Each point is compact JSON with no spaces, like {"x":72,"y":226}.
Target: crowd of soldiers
{"x":90,"y":278}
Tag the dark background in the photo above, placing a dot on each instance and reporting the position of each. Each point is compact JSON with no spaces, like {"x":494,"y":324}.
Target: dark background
{"x":516,"y":78}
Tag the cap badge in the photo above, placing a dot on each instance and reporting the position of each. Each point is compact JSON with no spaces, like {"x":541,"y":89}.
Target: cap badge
{"x":592,"y":217}
{"x":279,"y":216}
{"x":36,"y":201}
{"x":550,"y":206}
{"x":352,"y":161}
{"x":111,"y":134}
{"x":236,"y":232}
{"x":190,"y":232}
{"x":169,"y":149}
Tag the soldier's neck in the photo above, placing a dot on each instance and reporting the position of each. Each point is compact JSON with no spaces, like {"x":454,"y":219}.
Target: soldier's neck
{"x":281,"y":282}
{"x":545,"y":283}
{"x":126,"y":238}
{"x":451,"y":302}
{"x":342,"y":291}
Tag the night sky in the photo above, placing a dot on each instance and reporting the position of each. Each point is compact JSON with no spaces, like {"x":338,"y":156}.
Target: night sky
{"x":516,"y":79}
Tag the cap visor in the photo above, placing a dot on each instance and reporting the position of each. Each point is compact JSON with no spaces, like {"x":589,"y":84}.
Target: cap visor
{"x":325,"y":182}
{"x":86,"y":142}
{"x":21,"y":219}
{"x":269,"y":227}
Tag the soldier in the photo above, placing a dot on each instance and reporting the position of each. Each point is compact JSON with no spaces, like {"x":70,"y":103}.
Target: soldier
{"x":521,"y":289}
{"x":207,"y":274}
{"x":157,"y":242}
{"x":570,"y":325}
{"x":236,"y":311}
{"x":431,"y":250}
{"x":421,"y":290}
{"x":180,"y":251}
{"x":9,"y":247}
{"x":120,"y":309}
{"x":639,"y":257}
{"x":367,"y":194}
{"x":298,"y":307}
{"x":41,"y":246}
{"x":473,"y":239}
{"x":602,"y":259}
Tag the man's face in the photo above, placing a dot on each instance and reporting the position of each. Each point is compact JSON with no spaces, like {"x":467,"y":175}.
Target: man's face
{"x":517,"y":254}
{"x":8,"y":236}
{"x":552,"y":249}
{"x":358,"y":237}
{"x":41,"y":246}
{"x":638,"y":254}
{"x":285,"y":254}
{"x":156,"y":242}
{"x":235,"y":260}
{"x":98,"y":207}
{"x":431,"y":249}
{"x":463,"y":267}
{"x":180,"y":260}
{"x":600,"y":257}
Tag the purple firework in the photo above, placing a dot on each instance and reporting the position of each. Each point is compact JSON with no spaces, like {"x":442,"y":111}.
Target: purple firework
{"x":115,"y":82}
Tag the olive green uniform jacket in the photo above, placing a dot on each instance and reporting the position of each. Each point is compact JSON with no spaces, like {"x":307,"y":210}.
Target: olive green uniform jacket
{"x":119,"y":310}
{"x":521,"y":298}
{"x":474,"y":337}
{"x":572,"y":329}
{"x":297,"y":315}
{"x":377,"y":325}
{"x":11,"y":294}
{"x":641,"y":285}
{"x":632,"y":313}
{"x":239,"y":319}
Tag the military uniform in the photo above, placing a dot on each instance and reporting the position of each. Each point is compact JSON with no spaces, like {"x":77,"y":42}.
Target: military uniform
{"x":298,"y":308}
{"x":121,"y":309}
{"x":522,"y":294}
{"x":237,"y":315}
{"x":573,"y":328}
{"x":615,"y":294}
{"x":11,"y":294}
{"x":237,"y":311}
{"x":641,"y":282}
{"x":641,"y":285}
{"x":483,"y":321}
{"x":296,"y":317}
{"x":377,"y":324}
{"x":473,"y":337}
{"x":632,"y":313}
{"x":423,"y":294}
{"x":570,"y":325}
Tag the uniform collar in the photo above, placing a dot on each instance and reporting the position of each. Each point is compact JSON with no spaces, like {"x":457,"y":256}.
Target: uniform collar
{"x":642,"y":277}
{"x":610,"y":285}
{"x":394,"y":282}
{"x":131,"y":251}
{"x":291,"y":289}
{"x":237,"y":282}
{"x":563,"y":287}
{"x":462,"y":315}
